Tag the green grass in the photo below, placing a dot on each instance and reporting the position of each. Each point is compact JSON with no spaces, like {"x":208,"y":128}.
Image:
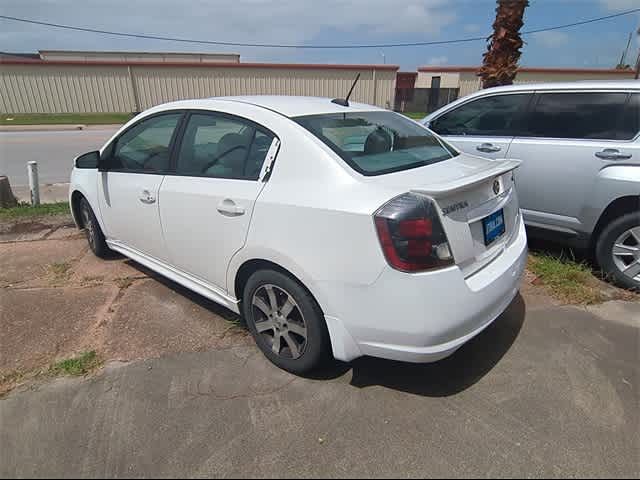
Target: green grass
{"x":415,"y":115}
{"x":566,"y":279}
{"x":26,"y":211}
{"x":64,"y":118}
{"x":80,"y":365}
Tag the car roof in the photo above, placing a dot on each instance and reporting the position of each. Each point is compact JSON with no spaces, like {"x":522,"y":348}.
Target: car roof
{"x":289,"y":106}
{"x":295,"y":106}
{"x":575,"y":85}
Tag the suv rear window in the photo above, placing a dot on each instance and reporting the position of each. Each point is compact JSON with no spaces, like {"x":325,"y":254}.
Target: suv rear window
{"x":576,"y":115}
{"x":375,"y":143}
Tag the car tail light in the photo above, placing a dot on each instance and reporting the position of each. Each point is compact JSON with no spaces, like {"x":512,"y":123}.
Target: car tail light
{"x":411,"y":234}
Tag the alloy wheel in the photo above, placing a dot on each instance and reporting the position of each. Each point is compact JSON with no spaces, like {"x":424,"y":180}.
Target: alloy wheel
{"x":626,"y":253}
{"x":279,"y":321}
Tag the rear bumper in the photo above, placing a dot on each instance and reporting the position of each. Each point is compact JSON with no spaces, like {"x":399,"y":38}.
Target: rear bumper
{"x":425,"y":317}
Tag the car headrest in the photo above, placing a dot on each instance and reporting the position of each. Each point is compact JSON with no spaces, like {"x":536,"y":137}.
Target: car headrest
{"x":377,"y":141}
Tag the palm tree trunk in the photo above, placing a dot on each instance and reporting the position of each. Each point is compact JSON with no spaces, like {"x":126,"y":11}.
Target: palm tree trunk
{"x":501,"y":60}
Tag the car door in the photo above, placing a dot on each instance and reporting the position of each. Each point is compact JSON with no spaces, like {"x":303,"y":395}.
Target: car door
{"x":566,"y":139}
{"x":207,"y":205}
{"x":132,"y":169}
{"x":483,"y":126}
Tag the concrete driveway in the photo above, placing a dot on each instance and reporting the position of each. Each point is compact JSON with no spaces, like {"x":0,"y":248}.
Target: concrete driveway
{"x":547,"y":390}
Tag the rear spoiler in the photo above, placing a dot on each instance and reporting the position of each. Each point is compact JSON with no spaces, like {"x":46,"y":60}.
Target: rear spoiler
{"x":444,"y":189}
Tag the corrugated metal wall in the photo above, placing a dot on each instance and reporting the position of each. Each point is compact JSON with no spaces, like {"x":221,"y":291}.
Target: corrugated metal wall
{"x":67,"y":89}
{"x":90,"y":88}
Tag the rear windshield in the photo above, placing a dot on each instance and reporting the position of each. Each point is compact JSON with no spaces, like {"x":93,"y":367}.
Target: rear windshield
{"x":374,"y":143}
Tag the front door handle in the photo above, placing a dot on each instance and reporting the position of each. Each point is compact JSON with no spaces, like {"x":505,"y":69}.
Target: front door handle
{"x":613,"y":154}
{"x":147,"y":198}
{"x":228,"y":208}
{"x":488,"y":148}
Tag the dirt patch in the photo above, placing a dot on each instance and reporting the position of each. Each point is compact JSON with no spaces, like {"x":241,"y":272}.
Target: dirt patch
{"x":58,"y":300}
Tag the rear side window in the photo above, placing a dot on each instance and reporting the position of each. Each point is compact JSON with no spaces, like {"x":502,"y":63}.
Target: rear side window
{"x":145,"y":146}
{"x":629,"y":125}
{"x":217,"y":146}
{"x":494,"y":116}
{"x":575,"y":115}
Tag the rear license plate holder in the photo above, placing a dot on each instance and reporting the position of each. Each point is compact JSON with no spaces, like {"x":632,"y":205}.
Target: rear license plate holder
{"x":493,"y":227}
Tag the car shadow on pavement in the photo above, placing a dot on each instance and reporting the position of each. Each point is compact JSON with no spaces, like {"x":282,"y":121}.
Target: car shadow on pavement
{"x":449,"y":376}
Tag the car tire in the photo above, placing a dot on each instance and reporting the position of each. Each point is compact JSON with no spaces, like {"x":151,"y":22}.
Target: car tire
{"x":292,"y":334}
{"x":623,"y":233}
{"x":92,"y":230}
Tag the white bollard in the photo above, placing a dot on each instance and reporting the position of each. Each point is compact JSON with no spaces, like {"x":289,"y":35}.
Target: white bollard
{"x":34,"y":185}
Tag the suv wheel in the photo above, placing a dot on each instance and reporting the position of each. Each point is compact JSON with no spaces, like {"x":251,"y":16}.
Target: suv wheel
{"x":285,"y":321}
{"x":618,"y":250}
{"x":92,"y":229}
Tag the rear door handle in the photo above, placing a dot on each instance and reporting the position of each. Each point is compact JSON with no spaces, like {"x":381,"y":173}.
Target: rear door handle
{"x":488,"y":148}
{"x":147,"y":198}
{"x":228,"y":208}
{"x":613,"y":154}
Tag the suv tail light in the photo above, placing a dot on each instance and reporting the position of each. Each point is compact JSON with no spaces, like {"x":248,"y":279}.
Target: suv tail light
{"x":411,"y":234}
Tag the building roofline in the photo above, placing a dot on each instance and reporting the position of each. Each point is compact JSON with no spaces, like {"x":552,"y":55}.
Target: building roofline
{"x":133,"y":52}
{"x":300,"y":66}
{"x":467,"y":69}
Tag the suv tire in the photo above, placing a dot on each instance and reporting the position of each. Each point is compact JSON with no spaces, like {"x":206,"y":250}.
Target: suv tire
{"x":624,"y":231}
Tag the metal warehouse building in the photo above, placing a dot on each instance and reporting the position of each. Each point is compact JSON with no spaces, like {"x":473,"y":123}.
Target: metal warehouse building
{"x":466,"y":80}
{"x":79,"y":82}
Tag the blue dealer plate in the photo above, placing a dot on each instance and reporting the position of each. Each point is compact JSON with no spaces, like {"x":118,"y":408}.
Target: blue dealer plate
{"x":493,"y":227}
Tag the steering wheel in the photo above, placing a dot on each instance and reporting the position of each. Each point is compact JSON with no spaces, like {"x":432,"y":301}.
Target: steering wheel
{"x":211,"y":163}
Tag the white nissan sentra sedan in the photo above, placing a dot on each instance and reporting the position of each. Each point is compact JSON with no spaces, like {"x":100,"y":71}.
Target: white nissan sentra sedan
{"x":333,"y":228}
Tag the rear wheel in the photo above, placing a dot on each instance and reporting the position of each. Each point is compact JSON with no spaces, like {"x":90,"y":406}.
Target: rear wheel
{"x":92,"y":230}
{"x":618,"y":250}
{"x":285,"y":321}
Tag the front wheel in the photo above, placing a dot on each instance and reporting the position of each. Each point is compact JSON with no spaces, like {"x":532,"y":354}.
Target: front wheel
{"x":92,"y":230}
{"x":618,"y":251}
{"x":285,"y":321}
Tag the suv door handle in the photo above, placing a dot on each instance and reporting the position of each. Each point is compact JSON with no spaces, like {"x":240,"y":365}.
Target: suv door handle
{"x":612,"y":154}
{"x":228,"y":208}
{"x":488,"y":148}
{"x":147,"y":198}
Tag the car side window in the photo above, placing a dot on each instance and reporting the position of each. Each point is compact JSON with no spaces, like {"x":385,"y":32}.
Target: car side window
{"x":493,"y":116}
{"x":629,"y":125}
{"x":217,"y":146}
{"x":590,"y":115}
{"x":145,"y":146}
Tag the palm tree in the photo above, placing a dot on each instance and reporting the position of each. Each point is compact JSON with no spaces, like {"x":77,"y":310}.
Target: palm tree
{"x":501,"y":60}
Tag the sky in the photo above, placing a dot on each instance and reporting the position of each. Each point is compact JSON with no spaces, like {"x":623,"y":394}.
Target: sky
{"x":343,"y":22}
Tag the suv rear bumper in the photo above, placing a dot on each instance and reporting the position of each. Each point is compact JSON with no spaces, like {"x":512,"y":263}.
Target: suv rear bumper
{"x":425,"y":317}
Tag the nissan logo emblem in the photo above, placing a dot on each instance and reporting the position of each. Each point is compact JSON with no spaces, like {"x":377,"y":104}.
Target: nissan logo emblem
{"x":496,"y":186}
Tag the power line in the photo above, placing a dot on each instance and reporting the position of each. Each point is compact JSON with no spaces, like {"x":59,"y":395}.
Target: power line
{"x":270,"y":45}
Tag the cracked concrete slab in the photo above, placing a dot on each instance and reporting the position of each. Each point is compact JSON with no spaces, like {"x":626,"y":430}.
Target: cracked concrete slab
{"x":26,"y":261}
{"x":153,"y":318}
{"x":91,"y":268}
{"x":40,"y":324}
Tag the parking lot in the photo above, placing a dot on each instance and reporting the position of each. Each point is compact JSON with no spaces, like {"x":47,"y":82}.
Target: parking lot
{"x":548,"y":390}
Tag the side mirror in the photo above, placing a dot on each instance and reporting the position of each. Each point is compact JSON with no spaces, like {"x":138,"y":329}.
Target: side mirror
{"x":88,"y":160}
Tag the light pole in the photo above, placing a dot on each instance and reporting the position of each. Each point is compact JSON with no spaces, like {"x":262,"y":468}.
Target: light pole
{"x":384,"y":58}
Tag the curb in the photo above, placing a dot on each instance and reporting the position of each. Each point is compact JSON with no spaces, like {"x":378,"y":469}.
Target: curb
{"x":35,"y":128}
{"x":54,"y":127}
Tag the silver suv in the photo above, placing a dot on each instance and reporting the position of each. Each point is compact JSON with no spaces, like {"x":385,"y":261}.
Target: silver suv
{"x":580,"y":146}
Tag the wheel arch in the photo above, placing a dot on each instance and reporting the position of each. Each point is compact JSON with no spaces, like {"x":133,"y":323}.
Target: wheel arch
{"x":617,"y":208}
{"x":342,"y":344}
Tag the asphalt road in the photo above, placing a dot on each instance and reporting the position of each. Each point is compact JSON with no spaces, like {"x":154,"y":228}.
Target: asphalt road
{"x":53,"y":150}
